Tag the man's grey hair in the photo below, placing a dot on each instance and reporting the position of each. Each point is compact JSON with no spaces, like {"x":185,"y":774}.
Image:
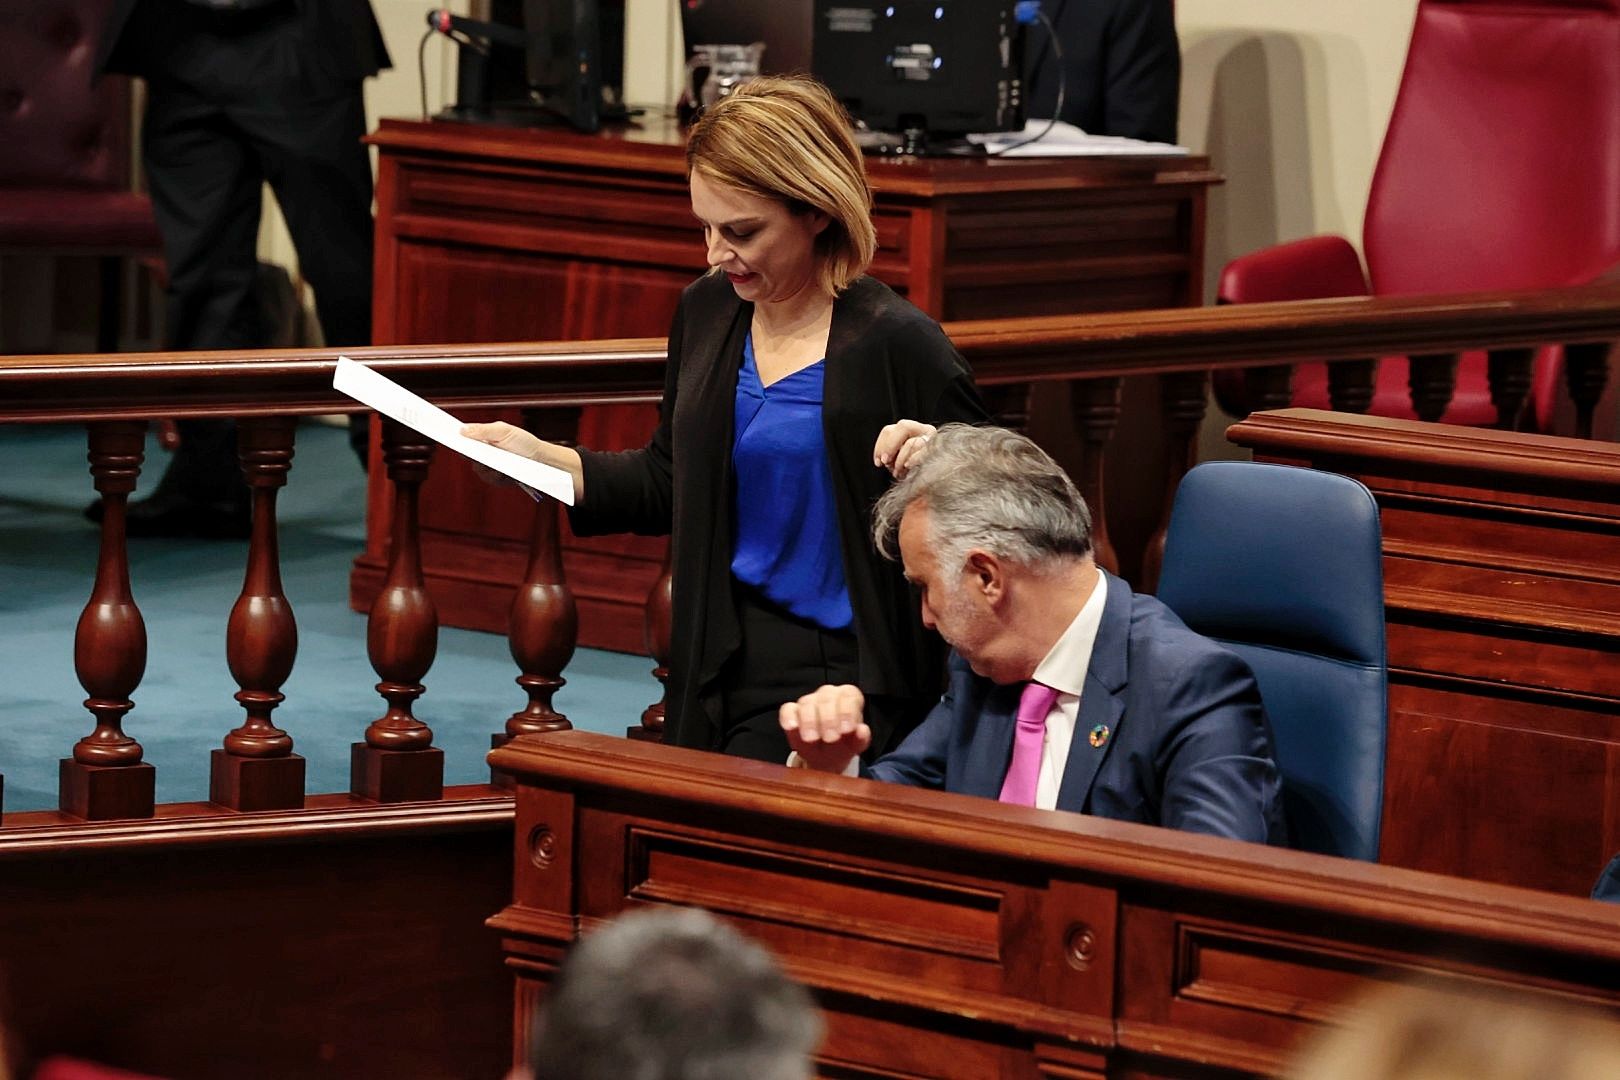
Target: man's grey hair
{"x":992,"y":489}
{"x":673,"y":994}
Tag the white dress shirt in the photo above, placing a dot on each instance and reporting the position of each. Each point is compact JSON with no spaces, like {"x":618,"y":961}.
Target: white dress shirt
{"x":1064,"y":669}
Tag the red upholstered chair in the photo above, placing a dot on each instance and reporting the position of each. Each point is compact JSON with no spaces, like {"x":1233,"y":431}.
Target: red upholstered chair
{"x":66,"y":1068}
{"x":64,"y":147}
{"x":1500,"y":170}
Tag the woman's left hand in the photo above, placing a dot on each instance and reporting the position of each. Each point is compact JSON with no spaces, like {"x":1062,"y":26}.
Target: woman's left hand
{"x":901,"y":445}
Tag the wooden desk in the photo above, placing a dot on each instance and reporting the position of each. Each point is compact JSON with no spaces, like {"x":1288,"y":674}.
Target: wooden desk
{"x":948,"y":936}
{"x":501,"y":234}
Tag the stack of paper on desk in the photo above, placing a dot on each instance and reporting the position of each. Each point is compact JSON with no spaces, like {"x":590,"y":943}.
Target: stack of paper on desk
{"x":1066,"y":140}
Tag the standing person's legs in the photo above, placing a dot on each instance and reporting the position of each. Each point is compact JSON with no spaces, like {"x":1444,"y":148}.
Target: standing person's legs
{"x":781,"y":659}
{"x":205,"y":186}
{"x":311,"y":153}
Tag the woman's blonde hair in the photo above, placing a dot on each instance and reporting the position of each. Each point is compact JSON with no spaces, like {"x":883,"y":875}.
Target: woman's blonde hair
{"x":1422,"y":1031}
{"x":788,"y":138}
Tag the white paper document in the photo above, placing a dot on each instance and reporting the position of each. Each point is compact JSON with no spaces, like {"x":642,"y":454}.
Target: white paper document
{"x":1066,"y":140}
{"x":391,"y":399}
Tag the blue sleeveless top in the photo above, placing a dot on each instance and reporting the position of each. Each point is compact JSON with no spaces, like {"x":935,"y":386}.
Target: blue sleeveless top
{"x":785,"y":542}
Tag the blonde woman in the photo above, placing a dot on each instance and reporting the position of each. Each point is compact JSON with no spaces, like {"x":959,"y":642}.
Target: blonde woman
{"x":795,"y":384}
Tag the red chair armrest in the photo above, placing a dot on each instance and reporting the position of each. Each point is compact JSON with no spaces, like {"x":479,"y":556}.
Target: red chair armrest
{"x":1318,"y":266}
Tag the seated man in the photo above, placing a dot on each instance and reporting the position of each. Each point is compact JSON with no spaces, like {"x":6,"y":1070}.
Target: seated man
{"x":1066,"y":689}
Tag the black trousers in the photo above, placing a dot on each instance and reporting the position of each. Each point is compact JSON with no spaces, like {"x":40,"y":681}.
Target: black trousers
{"x":207,"y":154}
{"x":781,"y":659}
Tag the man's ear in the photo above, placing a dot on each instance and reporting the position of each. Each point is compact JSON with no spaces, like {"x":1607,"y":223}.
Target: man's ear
{"x":986,"y":575}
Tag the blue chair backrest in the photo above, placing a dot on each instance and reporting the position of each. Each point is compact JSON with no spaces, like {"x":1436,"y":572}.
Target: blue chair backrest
{"x":1284,"y":566}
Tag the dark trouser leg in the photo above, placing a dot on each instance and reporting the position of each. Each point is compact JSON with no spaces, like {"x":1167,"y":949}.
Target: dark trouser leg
{"x":321,"y":174}
{"x":205,"y":185}
{"x":781,"y":659}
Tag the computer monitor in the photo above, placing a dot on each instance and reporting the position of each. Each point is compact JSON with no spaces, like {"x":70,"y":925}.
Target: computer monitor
{"x":575,"y":56}
{"x":783,"y":26}
{"x":941,"y":67}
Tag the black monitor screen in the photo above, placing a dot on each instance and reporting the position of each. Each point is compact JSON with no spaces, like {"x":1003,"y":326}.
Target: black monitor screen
{"x":946,"y":67}
{"x":783,"y":25}
{"x":575,"y":48}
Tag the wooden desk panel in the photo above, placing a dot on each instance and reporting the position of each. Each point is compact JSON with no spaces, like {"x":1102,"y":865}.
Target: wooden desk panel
{"x":501,"y":234}
{"x":949,"y":936}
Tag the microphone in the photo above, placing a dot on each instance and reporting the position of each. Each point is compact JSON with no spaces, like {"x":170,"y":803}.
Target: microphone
{"x":494,"y":33}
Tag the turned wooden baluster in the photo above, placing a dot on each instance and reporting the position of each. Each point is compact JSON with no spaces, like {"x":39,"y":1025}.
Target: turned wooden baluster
{"x":106,"y":778}
{"x":543,"y":626}
{"x":1269,"y":387}
{"x":1586,"y":372}
{"x":656,"y":630}
{"x":1508,"y":371}
{"x":398,"y":761}
{"x":256,"y":769}
{"x":1185,"y":398}
{"x":1432,"y":379}
{"x":1007,"y":404}
{"x":1351,"y":384}
{"x":1096,"y":412}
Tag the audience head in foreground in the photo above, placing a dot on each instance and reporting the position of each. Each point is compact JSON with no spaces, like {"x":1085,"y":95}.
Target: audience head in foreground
{"x":673,"y":994}
{"x":1067,"y":690}
{"x":1419,"y":1032}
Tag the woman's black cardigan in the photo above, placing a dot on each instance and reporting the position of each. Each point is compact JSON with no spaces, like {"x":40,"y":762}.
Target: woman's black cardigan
{"x":886,"y":361}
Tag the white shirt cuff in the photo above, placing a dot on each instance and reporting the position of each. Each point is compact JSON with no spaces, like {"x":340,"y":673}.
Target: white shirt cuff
{"x":794,"y":761}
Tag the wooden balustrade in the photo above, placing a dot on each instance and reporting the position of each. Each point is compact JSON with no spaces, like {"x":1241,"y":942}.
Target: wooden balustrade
{"x":115,"y":395}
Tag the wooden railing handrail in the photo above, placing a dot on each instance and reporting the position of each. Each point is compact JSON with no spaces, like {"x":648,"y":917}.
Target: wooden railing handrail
{"x":1242,"y":335}
{"x":60,"y":388}
{"x":1594,"y":465}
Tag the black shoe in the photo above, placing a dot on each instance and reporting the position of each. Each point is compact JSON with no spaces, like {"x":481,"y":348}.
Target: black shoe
{"x":172,"y":515}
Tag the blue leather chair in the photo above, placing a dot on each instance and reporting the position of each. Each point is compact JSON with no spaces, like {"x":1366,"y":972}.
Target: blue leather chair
{"x":1284,"y":566}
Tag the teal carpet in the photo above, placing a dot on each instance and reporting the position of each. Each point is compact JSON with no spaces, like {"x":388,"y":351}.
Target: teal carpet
{"x":185,"y":589}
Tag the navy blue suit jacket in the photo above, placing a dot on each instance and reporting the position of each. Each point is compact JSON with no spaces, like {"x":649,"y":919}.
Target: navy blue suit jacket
{"x":1187,"y":746}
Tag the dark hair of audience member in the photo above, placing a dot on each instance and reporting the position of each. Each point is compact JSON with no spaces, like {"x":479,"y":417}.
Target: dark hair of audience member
{"x":673,"y":994}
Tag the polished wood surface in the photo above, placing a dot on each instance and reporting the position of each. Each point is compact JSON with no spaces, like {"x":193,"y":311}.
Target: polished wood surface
{"x":948,"y":936}
{"x":509,"y":234}
{"x":1502,"y":589}
{"x":256,"y":769}
{"x":85,"y":387}
{"x":72,"y":388}
{"x":342,"y":941}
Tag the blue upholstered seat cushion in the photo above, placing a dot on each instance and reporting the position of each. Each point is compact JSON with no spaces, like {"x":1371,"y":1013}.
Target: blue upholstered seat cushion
{"x":1284,"y":566}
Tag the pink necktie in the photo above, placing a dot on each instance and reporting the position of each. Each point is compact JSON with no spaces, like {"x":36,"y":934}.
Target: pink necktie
{"x":1024,"y":770}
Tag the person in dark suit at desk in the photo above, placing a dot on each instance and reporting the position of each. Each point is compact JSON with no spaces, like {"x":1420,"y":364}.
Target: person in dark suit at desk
{"x":1067,"y":690}
{"x":1122,"y":63}
{"x":240,"y":92}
